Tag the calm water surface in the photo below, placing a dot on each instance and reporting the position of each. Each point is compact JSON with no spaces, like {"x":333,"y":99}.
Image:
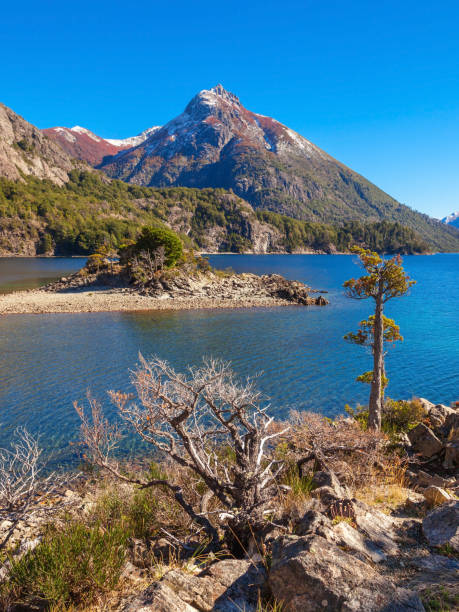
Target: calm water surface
{"x":18,"y":273}
{"x":48,"y":361}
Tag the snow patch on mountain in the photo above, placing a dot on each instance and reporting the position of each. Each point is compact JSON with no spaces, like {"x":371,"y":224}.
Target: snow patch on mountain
{"x":133,"y":141}
{"x":82,"y":130}
{"x":66,"y":133}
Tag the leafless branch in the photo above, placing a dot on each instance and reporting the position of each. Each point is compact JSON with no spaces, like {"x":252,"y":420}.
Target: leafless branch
{"x":205,"y":420}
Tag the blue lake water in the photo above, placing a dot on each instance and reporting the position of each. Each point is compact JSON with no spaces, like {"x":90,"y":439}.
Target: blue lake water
{"x":48,"y":361}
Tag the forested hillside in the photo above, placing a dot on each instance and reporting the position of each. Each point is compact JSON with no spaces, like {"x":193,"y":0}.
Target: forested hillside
{"x":39,"y":217}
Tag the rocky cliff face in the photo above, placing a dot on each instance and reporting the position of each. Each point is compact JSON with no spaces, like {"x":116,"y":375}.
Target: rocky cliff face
{"x":25,"y":150}
{"x":83,"y":144}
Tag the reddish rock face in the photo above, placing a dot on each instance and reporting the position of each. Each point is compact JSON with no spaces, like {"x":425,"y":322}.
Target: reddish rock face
{"x":83,"y":144}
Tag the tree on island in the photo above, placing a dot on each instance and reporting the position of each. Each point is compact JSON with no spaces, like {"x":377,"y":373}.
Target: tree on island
{"x":156,"y":239}
{"x":385,"y":279}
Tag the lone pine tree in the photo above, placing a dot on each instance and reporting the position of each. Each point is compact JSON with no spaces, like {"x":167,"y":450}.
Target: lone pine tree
{"x":385,"y":279}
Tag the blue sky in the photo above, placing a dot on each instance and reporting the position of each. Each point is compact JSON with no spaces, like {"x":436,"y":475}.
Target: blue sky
{"x":374,"y":84}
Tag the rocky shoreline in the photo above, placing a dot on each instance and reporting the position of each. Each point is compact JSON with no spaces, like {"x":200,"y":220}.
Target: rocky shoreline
{"x":109,"y":292}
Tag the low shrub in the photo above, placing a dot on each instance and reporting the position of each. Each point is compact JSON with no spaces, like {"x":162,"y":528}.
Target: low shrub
{"x":397,"y":416}
{"x":70,"y":566}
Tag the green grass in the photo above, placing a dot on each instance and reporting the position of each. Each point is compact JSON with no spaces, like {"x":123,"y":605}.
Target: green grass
{"x":440,"y":600}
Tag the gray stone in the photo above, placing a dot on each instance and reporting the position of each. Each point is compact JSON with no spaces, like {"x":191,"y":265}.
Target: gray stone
{"x":377,"y":527}
{"x":423,"y":479}
{"x":426,"y":404}
{"x":341,"y":533}
{"x":327,"y":487}
{"x":227,"y":586}
{"x":424,"y":440}
{"x":441,"y":525}
{"x":157,"y":598}
{"x":309,"y":574}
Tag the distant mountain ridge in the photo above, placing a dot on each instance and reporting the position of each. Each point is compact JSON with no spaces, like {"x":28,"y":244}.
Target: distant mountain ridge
{"x":83,"y":144}
{"x":216,"y":142}
{"x":452,"y":219}
{"x":77,"y":207}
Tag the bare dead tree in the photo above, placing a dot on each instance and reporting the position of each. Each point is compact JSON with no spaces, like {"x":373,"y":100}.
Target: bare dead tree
{"x":23,"y":483}
{"x":159,"y":257}
{"x":204,"y":420}
{"x":146,"y":264}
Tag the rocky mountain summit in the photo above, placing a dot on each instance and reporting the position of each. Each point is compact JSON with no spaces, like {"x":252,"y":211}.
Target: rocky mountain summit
{"x":25,"y":150}
{"x":83,"y":144}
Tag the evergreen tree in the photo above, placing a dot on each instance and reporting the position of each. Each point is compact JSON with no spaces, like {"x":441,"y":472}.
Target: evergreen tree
{"x":385,"y":279}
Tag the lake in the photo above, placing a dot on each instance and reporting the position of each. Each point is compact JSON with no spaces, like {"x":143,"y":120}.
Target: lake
{"x":48,"y":361}
{"x":18,"y":273}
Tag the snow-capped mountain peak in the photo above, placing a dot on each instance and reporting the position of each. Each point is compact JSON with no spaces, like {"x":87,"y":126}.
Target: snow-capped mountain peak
{"x":452,"y":219}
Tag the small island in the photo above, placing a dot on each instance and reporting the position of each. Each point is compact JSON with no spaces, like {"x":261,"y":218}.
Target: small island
{"x":156,"y":273}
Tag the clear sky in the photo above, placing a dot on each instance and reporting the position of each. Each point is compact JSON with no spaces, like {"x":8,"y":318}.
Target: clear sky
{"x":375,"y":84}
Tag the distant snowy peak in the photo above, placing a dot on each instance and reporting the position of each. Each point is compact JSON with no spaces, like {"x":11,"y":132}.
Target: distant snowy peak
{"x":81,"y":143}
{"x":133,"y":141}
{"x":452,"y":219}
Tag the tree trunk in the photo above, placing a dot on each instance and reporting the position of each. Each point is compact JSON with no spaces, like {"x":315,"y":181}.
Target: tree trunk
{"x":376,"y":394}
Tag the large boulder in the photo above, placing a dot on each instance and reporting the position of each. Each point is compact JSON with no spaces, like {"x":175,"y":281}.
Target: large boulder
{"x":426,"y":404}
{"x":376,"y":526}
{"x":424,"y":441}
{"x":309,"y":574}
{"x":441,"y":525}
{"x":347,"y":535}
{"x":438,"y":415}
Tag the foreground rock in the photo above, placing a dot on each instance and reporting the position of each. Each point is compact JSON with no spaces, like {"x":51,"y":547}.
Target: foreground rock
{"x":441,"y":525}
{"x":433,"y":450}
{"x":309,"y":574}
{"x":227,"y":586}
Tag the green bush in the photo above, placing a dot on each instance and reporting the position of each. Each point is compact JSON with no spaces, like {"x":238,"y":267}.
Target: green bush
{"x":397,"y":416}
{"x":71,"y":566}
{"x":151,"y":238}
{"x":401,"y":416}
